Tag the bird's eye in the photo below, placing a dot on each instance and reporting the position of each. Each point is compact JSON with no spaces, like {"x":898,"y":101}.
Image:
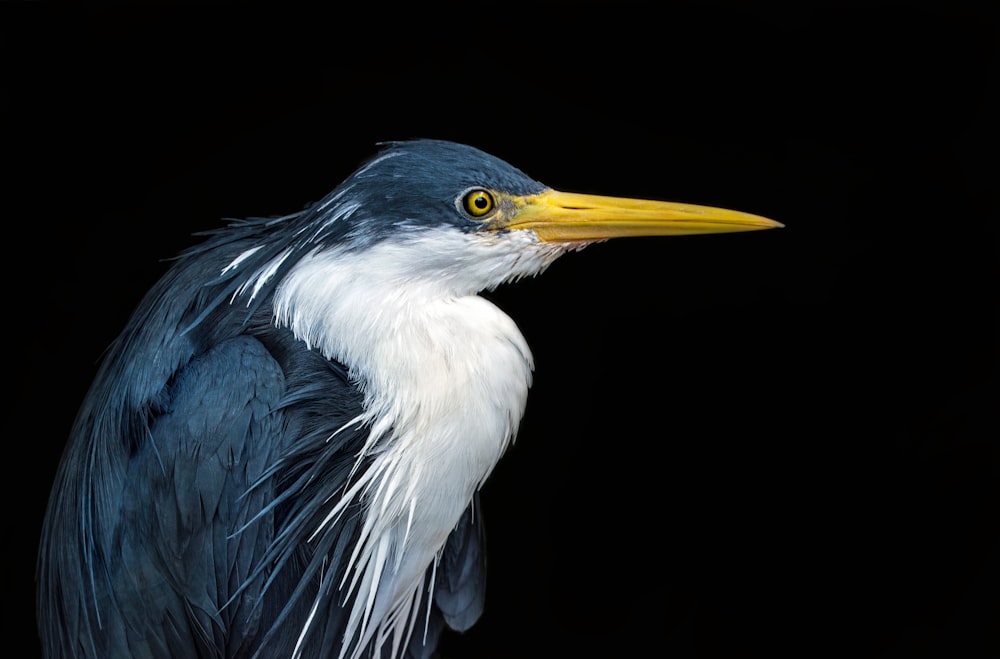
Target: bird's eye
{"x":478,"y":203}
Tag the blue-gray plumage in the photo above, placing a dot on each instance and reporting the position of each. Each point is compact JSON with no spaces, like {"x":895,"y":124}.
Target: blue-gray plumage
{"x":281,"y":453}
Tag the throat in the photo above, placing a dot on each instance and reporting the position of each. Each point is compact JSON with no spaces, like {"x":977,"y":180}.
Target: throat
{"x":443,"y":373}
{"x":445,"y":381}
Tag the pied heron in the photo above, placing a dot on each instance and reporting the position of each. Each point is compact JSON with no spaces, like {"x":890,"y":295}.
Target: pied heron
{"x":281,"y":452}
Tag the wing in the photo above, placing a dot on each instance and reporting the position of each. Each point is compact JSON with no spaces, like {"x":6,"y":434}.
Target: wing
{"x":460,"y":588}
{"x":141,"y":552}
{"x":209,"y":450}
{"x":185,"y":541}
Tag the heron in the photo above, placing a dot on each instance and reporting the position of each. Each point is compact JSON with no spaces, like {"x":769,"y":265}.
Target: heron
{"x":281,"y":454}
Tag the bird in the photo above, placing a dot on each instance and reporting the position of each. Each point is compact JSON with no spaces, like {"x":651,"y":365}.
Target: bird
{"x":281,"y":453}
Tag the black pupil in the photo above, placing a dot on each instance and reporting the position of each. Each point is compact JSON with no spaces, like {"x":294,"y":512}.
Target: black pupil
{"x":481,"y":202}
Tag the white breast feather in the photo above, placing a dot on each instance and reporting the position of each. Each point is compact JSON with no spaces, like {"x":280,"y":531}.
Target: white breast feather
{"x":445,"y":376}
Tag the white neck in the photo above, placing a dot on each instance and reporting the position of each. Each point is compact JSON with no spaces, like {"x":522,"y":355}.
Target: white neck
{"x":445,"y":376}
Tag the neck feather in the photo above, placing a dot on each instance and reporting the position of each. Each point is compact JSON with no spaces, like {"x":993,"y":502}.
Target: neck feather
{"x":445,"y":376}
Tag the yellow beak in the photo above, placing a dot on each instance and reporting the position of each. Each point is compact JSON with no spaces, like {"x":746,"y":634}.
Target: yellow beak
{"x":569,"y":217}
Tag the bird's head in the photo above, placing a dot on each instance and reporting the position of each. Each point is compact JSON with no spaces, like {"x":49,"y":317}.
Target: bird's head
{"x":437,"y":211}
{"x":434,"y":183}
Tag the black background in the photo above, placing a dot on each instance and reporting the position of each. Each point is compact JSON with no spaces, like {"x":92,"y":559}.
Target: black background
{"x":781,"y":443}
